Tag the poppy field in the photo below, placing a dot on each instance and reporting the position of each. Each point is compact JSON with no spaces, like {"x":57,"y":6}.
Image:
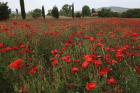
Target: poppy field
{"x":93,"y":55}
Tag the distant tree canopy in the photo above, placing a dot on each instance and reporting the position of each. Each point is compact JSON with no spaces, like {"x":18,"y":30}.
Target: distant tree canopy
{"x":131,"y":13}
{"x":93,"y":10}
{"x":49,"y":12}
{"x":55,"y":12}
{"x":107,"y":13}
{"x":66,"y":10}
{"x":4,"y":11}
{"x":86,"y":11}
{"x":36,"y":13}
{"x":78,"y":14}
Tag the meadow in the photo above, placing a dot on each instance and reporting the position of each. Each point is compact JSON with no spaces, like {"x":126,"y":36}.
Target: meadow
{"x":93,"y":55}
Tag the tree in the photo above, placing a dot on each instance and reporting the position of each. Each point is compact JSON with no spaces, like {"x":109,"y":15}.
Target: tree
{"x":107,"y":13}
{"x":23,"y":13}
{"x":78,"y":14}
{"x":72,"y":10}
{"x":55,"y":12}
{"x":4,"y":11}
{"x":49,"y":12}
{"x":66,"y":10}
{"x":16,"y":13}
{"x":43,"y":12}
{"x":86,"y":11}
{"x":131,"y":13}
{"x":93,"y":10}
{"x":36,"y":13}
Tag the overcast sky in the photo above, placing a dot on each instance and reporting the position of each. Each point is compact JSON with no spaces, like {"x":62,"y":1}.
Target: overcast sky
{"x":32,"y":4}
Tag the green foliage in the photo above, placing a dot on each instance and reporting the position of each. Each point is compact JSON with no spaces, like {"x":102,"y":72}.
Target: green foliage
{"x":5,"y":84}
{"x":107,"y":13}
{"x":93,"y":10}
{"x":66,"y":10}
{"x":23,"y":13}
{"x":4,"y":11}
{"x":43,"y":12}
{"x":86,"y":11}
{"x":36,"y":13}
{"x":131,"y":13}
{"x":78,"y":14}
{"x":55,"y":12}
{"x":49,"y":12}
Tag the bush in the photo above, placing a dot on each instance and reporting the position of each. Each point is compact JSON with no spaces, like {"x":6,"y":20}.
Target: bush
{"x":86,"y":11}
{"x":4,"y":11}
{"x":78,"y":14}
{"x":36,"y":13}
{"x":55,"y":12}
{"x":107,"y":13}
{"x":131,"y":13}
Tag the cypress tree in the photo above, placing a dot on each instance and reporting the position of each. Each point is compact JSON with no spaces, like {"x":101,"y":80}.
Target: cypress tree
{"x":43,"y":12}
{"x":23,"y":13}
{"x":72,"y":10}
{"x":16,"y":13}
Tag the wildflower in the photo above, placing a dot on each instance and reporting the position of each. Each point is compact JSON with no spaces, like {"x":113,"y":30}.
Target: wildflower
{"x":16,"y":65}
{"x":55,"y":62}
{"x":74,"y":70}
{"x":88,"y":58}
{"x":33,"y":71}
{"x":30,"y":59}
{"x":91,"y":39}
{"x":66,"y":59}
{"x":97,"y":63}
{"x":54,"y":52}
{"x":85,"y":65}
{"x":104,"y":72}
{"x":90,"y":86}
{"x":1,"y":45}
{"x":111,"y":81}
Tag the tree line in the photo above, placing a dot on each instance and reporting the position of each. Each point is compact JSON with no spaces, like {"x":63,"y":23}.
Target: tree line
{"x":68,"y":11}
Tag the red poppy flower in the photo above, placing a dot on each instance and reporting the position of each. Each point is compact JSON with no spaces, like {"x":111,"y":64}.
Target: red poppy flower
{"x":16,"y":65}
{"x":33,"y":71}
{"x":74,"y":70}
{"x":97,"y":63}
{"x":90,"y":86}
{"x":55,"y":62}
{"x":54,"y":52}
{"x":66,"y":59}
{"x":104,"y":71}
{"x":85,"y":65}
{"x":111,"y":81}
{"x":1,"y":45}
{"x":88,"y":58}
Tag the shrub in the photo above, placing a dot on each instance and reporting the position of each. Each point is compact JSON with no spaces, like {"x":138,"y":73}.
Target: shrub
{"x":78,"y":14}
{"x":4,"y":11}
{"x":107,"y":13}
{"x":131,"y":13}
{"x":36,"y":13}
{"x":55,"y":12}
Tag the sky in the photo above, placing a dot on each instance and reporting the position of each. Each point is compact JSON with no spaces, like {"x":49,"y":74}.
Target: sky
{"x":78,"y":4}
